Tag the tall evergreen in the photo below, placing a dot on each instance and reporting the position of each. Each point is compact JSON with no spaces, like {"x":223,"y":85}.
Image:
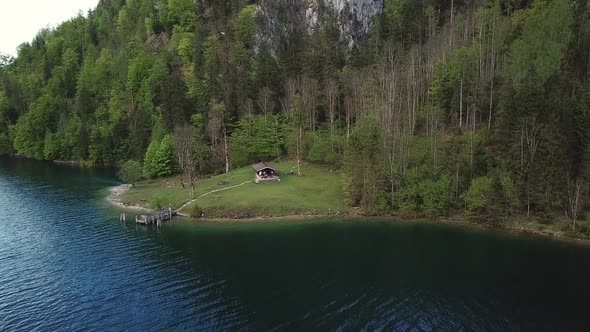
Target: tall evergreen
{"x":438,"y":107}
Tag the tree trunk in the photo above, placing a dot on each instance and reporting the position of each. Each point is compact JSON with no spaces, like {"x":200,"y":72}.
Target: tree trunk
{"x":492,"y":69}
{"x":471,"y":139}
{"x":226,"y":152}
{"x":573,"y":203}
{"x":457,"y":181}
{"x":192,"y":179}
{"x":348,"y":124}
{"x":528,"y":200}
{"x":452,"y":27}
{"x":461,"y":105}
{"x":299,"y":146}
{"x":491,"y":103}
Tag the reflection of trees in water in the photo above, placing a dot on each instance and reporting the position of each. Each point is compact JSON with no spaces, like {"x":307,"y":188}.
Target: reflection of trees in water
{"x":303,"y":275}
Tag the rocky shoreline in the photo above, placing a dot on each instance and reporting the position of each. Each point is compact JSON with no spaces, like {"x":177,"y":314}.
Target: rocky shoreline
{"x":114,"y":198}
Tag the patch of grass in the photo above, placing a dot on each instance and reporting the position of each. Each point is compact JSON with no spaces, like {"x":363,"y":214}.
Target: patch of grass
{"x":317,"y":191}
{"x":165,"y":192}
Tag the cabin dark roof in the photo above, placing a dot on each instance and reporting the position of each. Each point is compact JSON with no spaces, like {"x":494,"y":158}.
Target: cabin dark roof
{"x":262,"y":166}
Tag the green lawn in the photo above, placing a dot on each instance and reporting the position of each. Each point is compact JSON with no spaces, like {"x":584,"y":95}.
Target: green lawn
{"x":317,"y":191}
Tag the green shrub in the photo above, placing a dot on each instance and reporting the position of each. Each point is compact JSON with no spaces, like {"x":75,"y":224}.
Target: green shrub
{"x":159,"y":158}
{"x":408,"y":196}
{"x":130,"y":172}
{"x":382,"y":206}
{"x":166,"y":161}
{"x":52,"y":147}
{"x":5,"y":144}
{"x":195,"y":211}
{"x":509,"y":191}
{"x":436,"y":196}
{"x":480,"y":194}
{"x":480,"y":198}
{"x":156,"y":202}
{"x":320,"y":147}
{"x":547,"y":217}
{"x":150,"y":163}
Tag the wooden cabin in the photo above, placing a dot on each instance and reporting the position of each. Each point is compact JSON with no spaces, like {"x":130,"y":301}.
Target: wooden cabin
{"x":265,"y":172}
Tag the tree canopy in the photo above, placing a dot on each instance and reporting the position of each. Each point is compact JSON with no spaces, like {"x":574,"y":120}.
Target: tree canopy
{"x":435,"y":106}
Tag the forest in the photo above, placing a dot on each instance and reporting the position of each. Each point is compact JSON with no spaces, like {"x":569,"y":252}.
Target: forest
{"x":428,"y":107}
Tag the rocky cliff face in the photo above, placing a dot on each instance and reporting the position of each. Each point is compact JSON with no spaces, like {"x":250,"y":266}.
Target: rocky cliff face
{"x":355,"y":17}
{"x":354,"y":12}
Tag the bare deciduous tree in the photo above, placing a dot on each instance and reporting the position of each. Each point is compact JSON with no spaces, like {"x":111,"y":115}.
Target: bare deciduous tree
{"x":218,"y":132}
{"x":293,"y":106}
{"x":265,"y":101}
{"x":309,"y":95}
{"x":531,"y":134}
{"x":183,"y":147}
{"x":574,"y":192}
{"x":332,"y":94}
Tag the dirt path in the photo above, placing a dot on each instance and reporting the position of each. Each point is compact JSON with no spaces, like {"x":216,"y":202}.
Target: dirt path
{"x":208,"y":193}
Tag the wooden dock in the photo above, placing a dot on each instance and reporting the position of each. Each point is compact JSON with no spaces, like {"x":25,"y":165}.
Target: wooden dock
{"x":156,"y":218}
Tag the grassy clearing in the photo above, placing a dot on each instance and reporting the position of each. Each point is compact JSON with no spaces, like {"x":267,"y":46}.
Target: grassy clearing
{"x":317,"y":191}
{"x":149,"y":193}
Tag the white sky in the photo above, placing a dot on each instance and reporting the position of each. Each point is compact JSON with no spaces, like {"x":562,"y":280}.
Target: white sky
{"x":20,"y":20}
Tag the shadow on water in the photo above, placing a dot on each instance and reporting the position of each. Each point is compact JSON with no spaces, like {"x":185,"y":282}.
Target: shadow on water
{"x":385,"y":275}
{"x":49,"y":173}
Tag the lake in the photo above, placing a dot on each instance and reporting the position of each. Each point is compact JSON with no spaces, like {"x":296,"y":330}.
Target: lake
{"x":66,"y":263}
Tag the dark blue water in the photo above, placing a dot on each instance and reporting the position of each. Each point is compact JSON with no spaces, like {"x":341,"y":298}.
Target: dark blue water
{"x":67,"y":264}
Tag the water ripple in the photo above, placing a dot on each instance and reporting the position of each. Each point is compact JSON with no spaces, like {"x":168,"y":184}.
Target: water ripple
{"x":67,"y":264}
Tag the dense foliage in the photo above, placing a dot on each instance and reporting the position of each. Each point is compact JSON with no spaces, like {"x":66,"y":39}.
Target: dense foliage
{"x":130,"y":172}
{"x":440,"y":106}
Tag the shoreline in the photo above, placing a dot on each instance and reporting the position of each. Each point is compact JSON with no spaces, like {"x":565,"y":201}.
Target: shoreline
{"x":115,"y":193}
{"x":114,"y":198}
{"x":498,"y":228}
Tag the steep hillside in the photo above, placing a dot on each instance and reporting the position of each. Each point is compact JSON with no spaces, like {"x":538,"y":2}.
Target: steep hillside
{"x":427,"y":107}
